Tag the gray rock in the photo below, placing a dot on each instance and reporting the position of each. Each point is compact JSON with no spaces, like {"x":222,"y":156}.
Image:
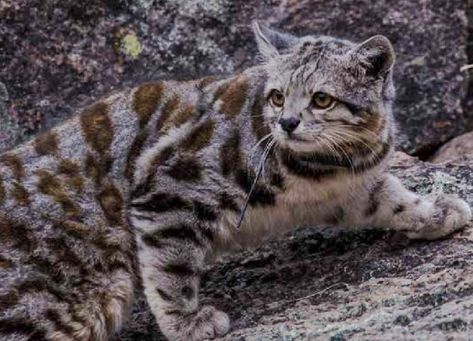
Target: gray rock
{"x":59,"y":55}
{"x":457,"y":148}
{"x":318,"y":284}
{"x":8,"y":127}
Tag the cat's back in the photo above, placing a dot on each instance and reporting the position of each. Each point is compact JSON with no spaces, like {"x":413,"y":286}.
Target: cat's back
{"x":66,"y":252}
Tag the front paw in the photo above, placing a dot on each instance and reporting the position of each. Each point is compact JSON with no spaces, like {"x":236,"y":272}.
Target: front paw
{"x":450,"y":214}
{"x":209,"y":323}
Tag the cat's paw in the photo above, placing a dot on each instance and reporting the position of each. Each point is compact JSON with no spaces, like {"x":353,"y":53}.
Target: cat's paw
{"x":450,"y":214}
{"x":209,"y":323}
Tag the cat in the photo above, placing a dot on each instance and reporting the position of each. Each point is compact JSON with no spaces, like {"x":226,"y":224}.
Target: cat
{"x":145,"y":187}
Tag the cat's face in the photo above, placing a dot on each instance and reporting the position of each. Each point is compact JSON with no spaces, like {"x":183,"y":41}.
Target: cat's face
{"x":324,"y":95}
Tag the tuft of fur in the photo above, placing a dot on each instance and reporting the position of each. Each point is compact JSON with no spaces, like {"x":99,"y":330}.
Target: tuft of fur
{"x":150,"y":183}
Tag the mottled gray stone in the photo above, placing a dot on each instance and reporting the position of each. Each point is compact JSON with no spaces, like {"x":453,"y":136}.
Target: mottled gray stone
{"x":458,"y":147}
{"x":59,"y":55}
{"x":8,"y":127}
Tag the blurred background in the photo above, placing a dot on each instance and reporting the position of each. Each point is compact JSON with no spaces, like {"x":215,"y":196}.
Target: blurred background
{"x":59,"y":55}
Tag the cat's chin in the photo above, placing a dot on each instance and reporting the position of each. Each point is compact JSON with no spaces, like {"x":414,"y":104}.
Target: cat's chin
{"x":298,"y":145}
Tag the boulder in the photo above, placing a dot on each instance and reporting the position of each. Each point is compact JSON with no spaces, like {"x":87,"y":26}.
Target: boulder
{"x":318,"y":284}
{"x":60,"y":55}
{"x":458,"y":147}
{"x":8,"y":126}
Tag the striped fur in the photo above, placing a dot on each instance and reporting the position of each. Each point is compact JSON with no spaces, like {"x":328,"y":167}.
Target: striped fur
{"x":147,"y":184}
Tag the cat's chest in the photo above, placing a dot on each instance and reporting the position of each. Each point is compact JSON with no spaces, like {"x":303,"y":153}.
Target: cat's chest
{"x":303,"y":202}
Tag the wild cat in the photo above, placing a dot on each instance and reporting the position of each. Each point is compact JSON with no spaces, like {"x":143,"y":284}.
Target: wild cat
{"x":147,"y":185}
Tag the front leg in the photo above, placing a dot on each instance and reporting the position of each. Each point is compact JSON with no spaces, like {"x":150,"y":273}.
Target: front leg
{"x":388,"y":204}
{"x":171,"y":256}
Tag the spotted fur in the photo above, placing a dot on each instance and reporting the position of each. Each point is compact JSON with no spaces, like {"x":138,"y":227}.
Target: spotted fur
{"x":146,"y":185}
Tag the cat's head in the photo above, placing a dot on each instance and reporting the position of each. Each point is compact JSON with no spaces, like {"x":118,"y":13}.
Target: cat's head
{"x":327,"y":95}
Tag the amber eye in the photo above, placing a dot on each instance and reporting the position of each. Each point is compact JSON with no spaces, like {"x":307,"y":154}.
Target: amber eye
{"x":277,"y":98}
{"x":321,"y":100}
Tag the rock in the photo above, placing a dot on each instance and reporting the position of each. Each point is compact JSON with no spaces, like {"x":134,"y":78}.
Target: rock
{"x":317,"y":284}
{"x":60,"y":55}
{"x":8,"y":126}
{"x":459,"y":147}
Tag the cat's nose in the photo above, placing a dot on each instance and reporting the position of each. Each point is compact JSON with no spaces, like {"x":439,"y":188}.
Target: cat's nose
{"x":289,"y":124}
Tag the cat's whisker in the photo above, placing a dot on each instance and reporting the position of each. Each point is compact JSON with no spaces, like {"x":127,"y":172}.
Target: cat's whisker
{"x":344,"y":153}
{"x":357,"y":138}
{"x":270,"y":146}
{"x":347,"y":138}
{"x":346,"y":127}
{"x":253,"y":185}
{"x":255,"y":148}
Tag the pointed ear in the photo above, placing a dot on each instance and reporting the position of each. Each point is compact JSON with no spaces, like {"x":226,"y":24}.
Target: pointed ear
{"x":271,"y":43}
{"x":377,"y":55}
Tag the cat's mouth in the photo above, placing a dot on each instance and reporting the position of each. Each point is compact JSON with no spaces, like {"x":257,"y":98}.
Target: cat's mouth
{"x":296,"y":138}
{"x":291,"y":137}
{"x":297,"y":143}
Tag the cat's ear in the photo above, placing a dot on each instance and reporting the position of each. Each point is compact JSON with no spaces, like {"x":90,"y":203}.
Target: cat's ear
{"x":376,"y":54}
{"x":271,"y":43}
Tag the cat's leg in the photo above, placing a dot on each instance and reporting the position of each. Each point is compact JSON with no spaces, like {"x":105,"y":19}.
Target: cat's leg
{"x":388,"y":204}
{"x":171,"y":256}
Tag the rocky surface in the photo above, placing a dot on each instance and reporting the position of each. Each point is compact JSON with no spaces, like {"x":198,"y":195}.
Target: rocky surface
{"x":56,"y":56}
{"x":318,"y":284}
{"x":457,"y":148}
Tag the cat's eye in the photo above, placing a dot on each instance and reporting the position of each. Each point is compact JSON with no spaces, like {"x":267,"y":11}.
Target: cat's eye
{"x":276,"y":98}
{"x":321,"y":100}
